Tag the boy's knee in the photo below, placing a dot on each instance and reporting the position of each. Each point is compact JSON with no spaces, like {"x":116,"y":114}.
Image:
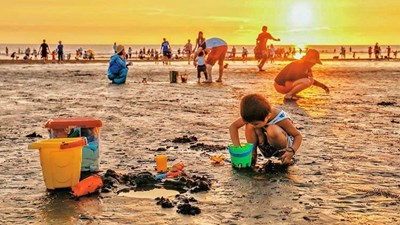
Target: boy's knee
{"x":273,"y":131}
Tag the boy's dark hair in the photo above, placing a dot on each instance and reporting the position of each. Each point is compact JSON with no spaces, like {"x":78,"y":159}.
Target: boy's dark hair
{"x":201,"y":53}
{"x":254,"y":107}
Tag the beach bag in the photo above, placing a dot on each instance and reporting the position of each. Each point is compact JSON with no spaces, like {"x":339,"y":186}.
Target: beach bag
{"x":115,"y":67}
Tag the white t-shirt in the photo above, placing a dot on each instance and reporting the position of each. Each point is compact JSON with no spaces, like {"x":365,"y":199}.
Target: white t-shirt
{"x":201,"y":61}
{"x":215,"y":42}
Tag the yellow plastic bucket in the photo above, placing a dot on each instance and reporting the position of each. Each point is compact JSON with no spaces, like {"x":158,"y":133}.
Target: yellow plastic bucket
{"x":61,"y":160}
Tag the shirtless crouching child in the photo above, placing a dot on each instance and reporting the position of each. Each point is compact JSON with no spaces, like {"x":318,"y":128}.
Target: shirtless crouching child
{"x":268,"y":128}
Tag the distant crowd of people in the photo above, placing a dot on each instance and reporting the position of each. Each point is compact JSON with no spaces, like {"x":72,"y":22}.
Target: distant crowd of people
{"x":376,"y":51}
{"x":57,"y":55}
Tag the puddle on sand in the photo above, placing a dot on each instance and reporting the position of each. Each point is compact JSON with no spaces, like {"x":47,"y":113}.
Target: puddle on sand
{"x":152,"y":194}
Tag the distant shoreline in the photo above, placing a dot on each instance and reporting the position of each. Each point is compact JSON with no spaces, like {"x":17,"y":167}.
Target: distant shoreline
{"x":134,"y":60}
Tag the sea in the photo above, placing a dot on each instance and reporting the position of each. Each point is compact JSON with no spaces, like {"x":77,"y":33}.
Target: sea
{"x":105,"y":51}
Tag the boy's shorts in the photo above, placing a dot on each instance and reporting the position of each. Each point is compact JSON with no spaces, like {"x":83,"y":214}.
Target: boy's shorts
{"x":268,"y":151}
{"x":217,"y":54}
{"x":284,"y":89}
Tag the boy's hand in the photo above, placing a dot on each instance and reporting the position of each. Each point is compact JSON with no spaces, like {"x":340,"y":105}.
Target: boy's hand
{"x":287,"y":157}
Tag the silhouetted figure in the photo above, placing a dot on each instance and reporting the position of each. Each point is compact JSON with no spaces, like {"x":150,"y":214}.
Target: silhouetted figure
{"x":261,"y":46}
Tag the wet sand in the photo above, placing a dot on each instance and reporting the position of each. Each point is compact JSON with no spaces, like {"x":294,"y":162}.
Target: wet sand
{"x":347,"y":170}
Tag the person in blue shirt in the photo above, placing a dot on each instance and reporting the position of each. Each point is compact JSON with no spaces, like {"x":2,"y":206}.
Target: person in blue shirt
{"x":60,"y":52}
{"x":166,"y":50}
{"x":118,"y":68}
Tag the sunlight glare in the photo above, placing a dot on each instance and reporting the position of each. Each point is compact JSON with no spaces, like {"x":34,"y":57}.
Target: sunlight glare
{"x":301,"y":14}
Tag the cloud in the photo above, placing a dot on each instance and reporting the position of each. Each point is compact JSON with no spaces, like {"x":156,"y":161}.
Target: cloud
{"x":303,"y":29}
{"x":227,"y":19}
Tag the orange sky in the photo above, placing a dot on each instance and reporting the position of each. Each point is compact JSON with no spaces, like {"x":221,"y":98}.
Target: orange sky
{"x":236,"y":21}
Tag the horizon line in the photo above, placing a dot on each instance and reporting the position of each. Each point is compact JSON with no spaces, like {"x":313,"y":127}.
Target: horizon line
{"x":235,"y":44}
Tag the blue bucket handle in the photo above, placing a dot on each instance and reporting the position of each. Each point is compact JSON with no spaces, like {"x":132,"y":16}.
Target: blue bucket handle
{"x":240,"y":155}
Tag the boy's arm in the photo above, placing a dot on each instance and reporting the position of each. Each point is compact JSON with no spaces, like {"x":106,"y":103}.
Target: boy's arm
{"x":234,"y":131}
{"x":321,"y":85}
{"x":291,"y":130}
{"x":195,"y":57}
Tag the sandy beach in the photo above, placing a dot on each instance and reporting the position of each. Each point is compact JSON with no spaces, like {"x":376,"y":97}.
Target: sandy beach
{"x":346,"y":172}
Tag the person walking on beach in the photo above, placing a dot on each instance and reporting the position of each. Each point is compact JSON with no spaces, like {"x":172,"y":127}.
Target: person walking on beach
{"x":297,"y":76}
{"x":115,"y":47}
{"x":44,"y":51}
{"x":130,"y":52}
{"x":261,"y":45}
{"x":200,"y":42}
{"x":233,"y":53}
{"x":166,"y":50}
{"x":343,"y":52}
{"x":216,"y":50}
{"x":370,"y":51}
{"x":272,"y":52}
{"x":6,"y":51}
{"x":188,"y":50}
{"x":377,"y":51}
{"x":60,"y":52}
{"x":395,"y":54}
{"x":118,"y":68}
{"x":244,"y":54}
{"x":388,"y":50}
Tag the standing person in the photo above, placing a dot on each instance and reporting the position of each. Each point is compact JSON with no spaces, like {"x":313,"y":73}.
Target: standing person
{"x":166,"y":50}
{"x":130,"y":52}
{"x":60,"y":52}
{"x":6,"y":51}
{"x":44,"y":51}
{"x":297,"y":76}
{"x":188,"y":49}
{"x":388,"y":50}
{"x":369,"y":51}
{"x":115,"y":47}
{"x":395,"y":54}
{"x":200,"y":42}
{"x":343,"y":52}
{"x":53,"y":56}
{"x":233,"y":53}
{"x":244,"y":54}
{"x":261,"y":45}
{"x":377,"y":50}
{"x":201,"y":66}
{"x":118,"y":68}
{"x":272,"y":52}
{"x":216,"y":49}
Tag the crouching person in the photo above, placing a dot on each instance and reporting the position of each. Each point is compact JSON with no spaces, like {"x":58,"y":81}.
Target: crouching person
{"x":268,"y":128}
{"x":118,"y":68}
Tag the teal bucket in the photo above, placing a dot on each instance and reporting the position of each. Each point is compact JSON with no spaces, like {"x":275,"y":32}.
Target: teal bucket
{"x":241,"y":155}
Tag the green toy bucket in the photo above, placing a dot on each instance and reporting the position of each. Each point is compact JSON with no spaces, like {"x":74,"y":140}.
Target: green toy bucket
{"x":241,"y":155}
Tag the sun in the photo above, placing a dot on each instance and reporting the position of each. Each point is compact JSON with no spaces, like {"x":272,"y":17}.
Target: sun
{"x":301,"y":14}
